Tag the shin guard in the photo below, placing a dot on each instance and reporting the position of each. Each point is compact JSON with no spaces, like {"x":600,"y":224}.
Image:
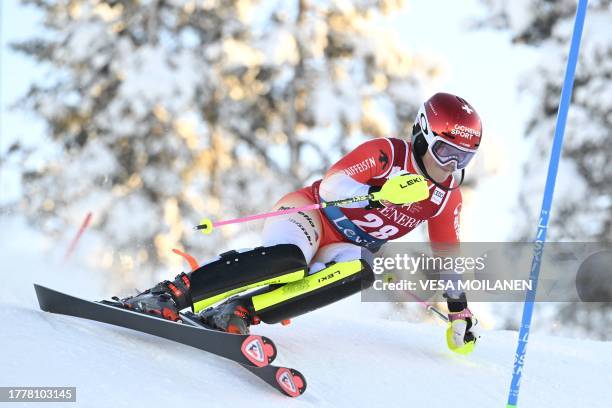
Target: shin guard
{"x":336,"y":281}
{"x":234,"y":272}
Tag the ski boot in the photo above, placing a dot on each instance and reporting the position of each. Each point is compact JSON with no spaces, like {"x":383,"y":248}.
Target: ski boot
{"x":164,"y":300}
{"x":235,"y":315}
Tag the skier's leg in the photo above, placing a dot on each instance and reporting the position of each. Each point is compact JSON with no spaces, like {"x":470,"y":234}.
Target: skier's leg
{"x":301,"y":230}
{"x":338,"y":271}
{"x":230,"y":273}
{"x":236,"y":271}
{"x":338,"y":252}
{"x":298,"y":234}
{"x":290,"y":242}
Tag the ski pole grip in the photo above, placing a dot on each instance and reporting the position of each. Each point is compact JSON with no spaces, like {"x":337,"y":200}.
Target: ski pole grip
{"x":404,"y":188}
{"x":377,"y":196}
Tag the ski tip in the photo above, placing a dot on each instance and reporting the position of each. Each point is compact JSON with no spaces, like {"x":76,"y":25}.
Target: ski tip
{"x":41,"y":296}
{"x":259,"y":350}
{"x":290,"y":381}
{"x":38,"y":287}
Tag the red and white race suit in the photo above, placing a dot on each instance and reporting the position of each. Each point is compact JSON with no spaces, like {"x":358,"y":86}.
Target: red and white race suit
{"x":339,"y":234}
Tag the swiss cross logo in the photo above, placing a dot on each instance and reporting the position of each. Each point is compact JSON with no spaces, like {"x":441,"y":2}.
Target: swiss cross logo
{"x":467,"y":109}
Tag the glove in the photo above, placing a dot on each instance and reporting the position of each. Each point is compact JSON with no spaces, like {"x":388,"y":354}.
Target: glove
{"x":375,"y":189}
{"x":374,"y":203}
{"x":463,"y":329}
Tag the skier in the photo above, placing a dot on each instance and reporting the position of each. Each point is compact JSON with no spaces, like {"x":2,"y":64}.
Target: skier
{"x":310,"y":259}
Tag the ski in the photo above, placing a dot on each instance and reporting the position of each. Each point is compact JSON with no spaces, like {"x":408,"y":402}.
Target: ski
{"x":249,"y":350}
{"x":287,"y":380}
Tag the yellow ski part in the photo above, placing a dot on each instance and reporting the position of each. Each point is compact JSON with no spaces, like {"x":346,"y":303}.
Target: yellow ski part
{"x":290,"y":277}
{"x":324,"y":277}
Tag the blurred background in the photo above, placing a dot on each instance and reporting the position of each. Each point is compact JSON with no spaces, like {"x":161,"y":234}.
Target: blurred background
{"x":154,"y":114}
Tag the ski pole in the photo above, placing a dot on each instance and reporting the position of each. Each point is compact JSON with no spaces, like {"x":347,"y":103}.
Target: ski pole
{"x":555,"y":156}
{"x":429,"y":307}
{"x":401,"y":189}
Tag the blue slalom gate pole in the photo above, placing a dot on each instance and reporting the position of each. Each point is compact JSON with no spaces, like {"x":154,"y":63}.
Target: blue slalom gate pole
{"x":555,"y":155}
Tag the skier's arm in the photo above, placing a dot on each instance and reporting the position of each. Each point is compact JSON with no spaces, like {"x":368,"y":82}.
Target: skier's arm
{"x":443,"y":228}
{"x":348,"y":177}
{"x":444,"y":238}
{"x":443,"y":231}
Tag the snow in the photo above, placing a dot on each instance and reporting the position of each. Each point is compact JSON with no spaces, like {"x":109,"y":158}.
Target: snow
{"x":352,"y":353}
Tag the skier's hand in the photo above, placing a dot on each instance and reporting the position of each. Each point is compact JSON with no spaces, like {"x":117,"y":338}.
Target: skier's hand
{"x":376,"y":203}
{"x":463,"y":329}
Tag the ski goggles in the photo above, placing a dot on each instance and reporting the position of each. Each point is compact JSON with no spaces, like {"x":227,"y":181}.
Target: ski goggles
{"x":444,"y":153}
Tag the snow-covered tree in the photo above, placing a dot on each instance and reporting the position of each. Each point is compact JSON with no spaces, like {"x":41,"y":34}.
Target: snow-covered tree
{"x":160,"y":112}
{"x":582,"y":210}
{"x":583,"y":199}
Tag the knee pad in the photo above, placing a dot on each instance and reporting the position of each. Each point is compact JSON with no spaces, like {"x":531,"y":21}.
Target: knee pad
{"x":233,"y":272}
{"x":336,"y":281}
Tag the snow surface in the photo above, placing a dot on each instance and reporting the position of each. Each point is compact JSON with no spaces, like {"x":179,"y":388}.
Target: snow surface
{"x":352,"y":353}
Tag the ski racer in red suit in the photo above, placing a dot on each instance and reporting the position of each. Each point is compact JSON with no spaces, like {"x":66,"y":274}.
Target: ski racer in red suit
{"x":310,"y":259}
